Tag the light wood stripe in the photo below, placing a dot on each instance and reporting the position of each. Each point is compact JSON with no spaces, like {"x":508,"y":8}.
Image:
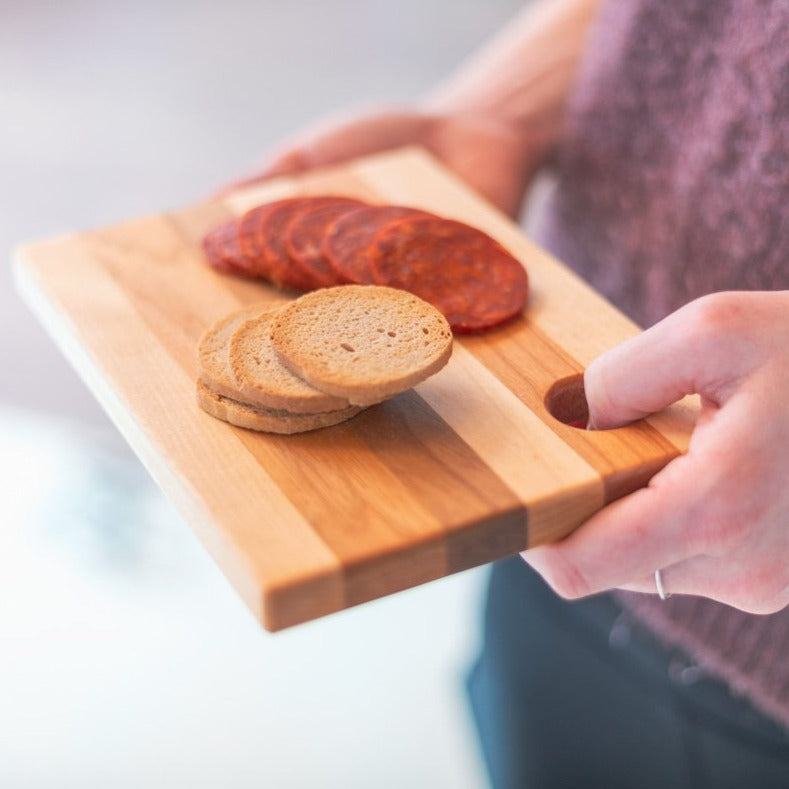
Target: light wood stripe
{"x":166,"y":432}
{"x":191,"y":225}
{"x":529,"y":363}
{"x":244,"y":199}
{"x":332,"y":180}
{"x":169,"y":284}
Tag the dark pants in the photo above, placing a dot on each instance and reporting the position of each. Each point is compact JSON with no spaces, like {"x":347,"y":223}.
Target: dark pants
{"x":565,"y":695}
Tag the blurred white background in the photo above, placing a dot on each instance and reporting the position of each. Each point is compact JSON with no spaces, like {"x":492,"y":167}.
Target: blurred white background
{"x":126,"y":660}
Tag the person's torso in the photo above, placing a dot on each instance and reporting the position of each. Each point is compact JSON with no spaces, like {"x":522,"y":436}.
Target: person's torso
{"x":674,"y":165}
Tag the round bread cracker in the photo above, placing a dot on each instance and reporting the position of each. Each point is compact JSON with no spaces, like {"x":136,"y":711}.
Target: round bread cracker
{"x":361,"y":342}
{"x":213,"y":366}
{"x":261,"y":379}
{"x":264,"y":419}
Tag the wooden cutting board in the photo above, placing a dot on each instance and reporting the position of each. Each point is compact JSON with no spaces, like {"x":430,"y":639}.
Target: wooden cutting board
{"x":469,"y":467}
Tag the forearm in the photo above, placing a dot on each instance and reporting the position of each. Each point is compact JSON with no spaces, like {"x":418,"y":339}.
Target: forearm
{"x":494,"y":122}
{"x":523,"y":75}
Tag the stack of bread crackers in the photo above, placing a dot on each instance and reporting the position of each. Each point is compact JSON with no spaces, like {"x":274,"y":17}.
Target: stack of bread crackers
{"x":319,"y":359}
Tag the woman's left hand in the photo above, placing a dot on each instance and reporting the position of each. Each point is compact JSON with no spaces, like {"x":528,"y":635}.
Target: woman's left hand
{"x":716,"y":520}
{"x":495,"y":157}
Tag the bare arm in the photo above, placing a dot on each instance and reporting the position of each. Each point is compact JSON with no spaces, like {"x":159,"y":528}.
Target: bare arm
{"x":524,"y":74}
{"x":493,"y":122}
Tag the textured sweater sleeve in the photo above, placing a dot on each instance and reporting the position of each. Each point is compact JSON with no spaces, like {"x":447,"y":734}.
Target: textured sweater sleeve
{"x":673,"y":182}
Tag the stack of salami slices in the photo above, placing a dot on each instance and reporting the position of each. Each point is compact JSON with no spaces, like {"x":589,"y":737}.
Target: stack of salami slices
{"x":306,"y":243}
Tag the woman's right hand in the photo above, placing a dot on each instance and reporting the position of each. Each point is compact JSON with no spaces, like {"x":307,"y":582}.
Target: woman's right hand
{"x":493,"y":157}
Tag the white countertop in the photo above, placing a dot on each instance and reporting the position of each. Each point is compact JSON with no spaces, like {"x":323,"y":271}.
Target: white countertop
{"x":127,"y":660}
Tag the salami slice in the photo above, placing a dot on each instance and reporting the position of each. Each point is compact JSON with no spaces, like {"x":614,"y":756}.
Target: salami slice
{"x":222,"y":249}
{"x":460,"y":270}
{"x":348,"y":242}
{"x":304,"y":239}
{"x":272,"y":239}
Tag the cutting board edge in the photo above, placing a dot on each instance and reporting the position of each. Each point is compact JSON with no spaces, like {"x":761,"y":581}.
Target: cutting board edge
{"x":231,"y":562}
{"x":286,"y":604}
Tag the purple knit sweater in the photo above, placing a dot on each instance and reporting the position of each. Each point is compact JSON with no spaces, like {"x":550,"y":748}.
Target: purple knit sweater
{"x":673,"y":182}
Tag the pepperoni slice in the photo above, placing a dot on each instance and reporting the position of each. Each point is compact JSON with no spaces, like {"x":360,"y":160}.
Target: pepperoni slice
{"x":212,"y":243}
{"x":272,"y":234}
{"x":222,"y":249}
{"x":460,"y":270}
{"x":348,"y":241}
{"x":253,"y":260}
{"x":304,"y":238}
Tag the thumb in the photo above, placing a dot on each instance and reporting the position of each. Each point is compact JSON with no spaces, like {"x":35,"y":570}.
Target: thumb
{"x":701,"y":348}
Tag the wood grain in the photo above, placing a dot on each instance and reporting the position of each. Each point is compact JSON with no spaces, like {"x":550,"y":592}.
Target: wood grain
{"x":468,"y":467}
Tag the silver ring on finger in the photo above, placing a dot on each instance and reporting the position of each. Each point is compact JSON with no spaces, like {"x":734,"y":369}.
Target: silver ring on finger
{"x":660,"y":586}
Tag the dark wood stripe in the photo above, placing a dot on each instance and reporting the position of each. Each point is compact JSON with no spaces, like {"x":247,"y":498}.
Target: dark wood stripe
{"x":392,"y":487}
{"x":448,"y":477}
